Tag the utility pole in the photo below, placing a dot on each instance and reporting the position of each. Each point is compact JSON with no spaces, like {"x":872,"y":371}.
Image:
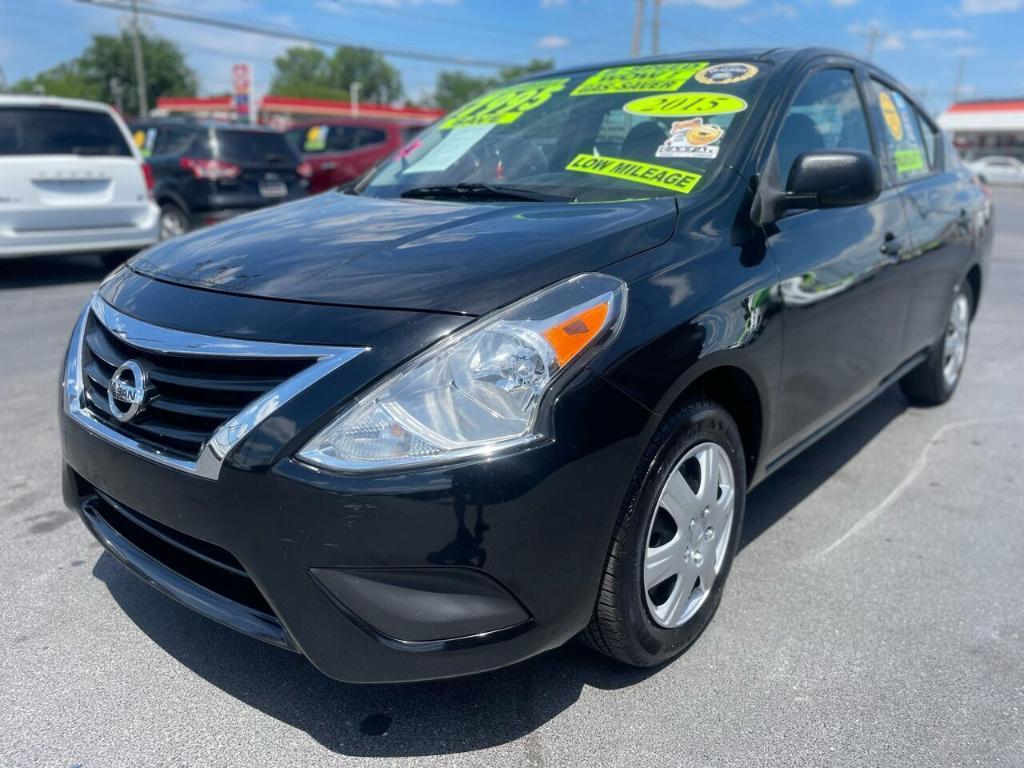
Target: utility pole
{"x":655,"y":26}
{"x":638,"y":27}
{"x":118,"y":93}
{"x":140,"y":67}
{"x":958,"y":80}
{"x":873,"y":33}
{"x":353,"y":97}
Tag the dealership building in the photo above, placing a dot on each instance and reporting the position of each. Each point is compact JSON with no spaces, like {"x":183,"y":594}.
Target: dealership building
{"x":989,"y":127}
{"x":282,"y":111}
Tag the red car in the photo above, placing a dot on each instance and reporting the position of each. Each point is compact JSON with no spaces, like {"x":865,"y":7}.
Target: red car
{"x":342,"y":150}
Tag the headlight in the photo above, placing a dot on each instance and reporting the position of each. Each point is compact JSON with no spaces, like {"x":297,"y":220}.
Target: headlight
{"x":480,"y":390}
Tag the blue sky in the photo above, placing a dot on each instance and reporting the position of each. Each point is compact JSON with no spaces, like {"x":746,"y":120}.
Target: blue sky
{"x":920,"y":41}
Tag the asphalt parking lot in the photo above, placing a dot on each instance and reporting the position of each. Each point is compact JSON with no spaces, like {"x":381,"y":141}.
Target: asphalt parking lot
{"x":873,"y":617}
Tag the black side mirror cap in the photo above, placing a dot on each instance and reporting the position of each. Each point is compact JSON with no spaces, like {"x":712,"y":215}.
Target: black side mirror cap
{"x":833,"y":179}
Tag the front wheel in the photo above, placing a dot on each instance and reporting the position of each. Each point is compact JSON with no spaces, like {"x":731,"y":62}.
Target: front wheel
{"x":674,"y":541}
{"x":934,"y":380}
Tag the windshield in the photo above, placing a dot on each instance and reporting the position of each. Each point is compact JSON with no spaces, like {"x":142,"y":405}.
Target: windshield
{"x":638,"y":131}
{"x":59,"y":131}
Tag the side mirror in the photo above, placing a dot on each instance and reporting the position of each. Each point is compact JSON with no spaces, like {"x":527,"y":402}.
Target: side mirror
{"x":832,"y":179}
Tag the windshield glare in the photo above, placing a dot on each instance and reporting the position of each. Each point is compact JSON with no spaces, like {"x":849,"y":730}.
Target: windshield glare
{"x":626,"y":132}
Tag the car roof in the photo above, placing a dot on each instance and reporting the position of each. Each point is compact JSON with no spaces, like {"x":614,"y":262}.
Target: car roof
{"x":778,"y":55}
{"x":32,"y":100}
{"x":185,"y":122}
{"x":363,"y":122}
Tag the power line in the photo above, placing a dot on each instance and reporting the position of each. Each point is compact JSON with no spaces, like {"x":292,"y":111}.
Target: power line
{"x":211,"y":21}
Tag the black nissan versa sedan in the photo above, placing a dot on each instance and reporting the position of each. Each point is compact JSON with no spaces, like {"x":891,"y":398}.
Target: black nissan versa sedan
{"x":513,"y":387}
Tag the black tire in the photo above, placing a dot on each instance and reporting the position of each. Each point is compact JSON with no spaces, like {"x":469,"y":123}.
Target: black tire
{"x":172,"y":217}
{"x":622,"y":626}
{"x":927,"y":383}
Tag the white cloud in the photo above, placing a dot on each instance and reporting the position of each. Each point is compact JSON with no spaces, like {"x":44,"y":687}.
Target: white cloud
{"x":969,"y":51}
{"x":890,"y":42}
{"x":950,"y":33}
{"x":977,"y":7}
{"x":843,"y":3}
{"x":553,"y":3}
{"x":775,"y":10}
{"x":552,"y":41}
{"x":718,"y":5}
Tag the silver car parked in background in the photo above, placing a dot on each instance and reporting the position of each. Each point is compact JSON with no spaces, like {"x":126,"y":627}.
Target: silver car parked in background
{"x":999,"y":169}
{"x":71,"y":181}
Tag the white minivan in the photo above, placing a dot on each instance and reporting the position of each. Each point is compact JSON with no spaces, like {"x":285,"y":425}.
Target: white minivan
{"x":71,"y":181}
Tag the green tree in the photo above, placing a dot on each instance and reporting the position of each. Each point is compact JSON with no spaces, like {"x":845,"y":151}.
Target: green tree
{"x":109,"y":60}
{"x":312,"y":73}
{"x":532,"y":67}
{"x":299,"y":69}
{"x":62,"y":80}
{"x":455,"y":87}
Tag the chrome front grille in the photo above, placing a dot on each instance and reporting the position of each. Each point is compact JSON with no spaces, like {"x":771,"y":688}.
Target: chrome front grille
{"x":204,"y":393}
{"x":191,"y":396}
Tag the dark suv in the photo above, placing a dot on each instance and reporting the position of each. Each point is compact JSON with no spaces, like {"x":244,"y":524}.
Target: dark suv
{"x":206,"y":172}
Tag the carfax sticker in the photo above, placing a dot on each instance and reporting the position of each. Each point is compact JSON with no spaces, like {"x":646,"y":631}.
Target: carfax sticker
{"x":726,"y":74}
{"x":891,"y":115}
{"x":685,"y":104}
{"x":639,"y":78}
{"x":505,"y":105}
{"x":692,"y":139}
{"x":633,"y":170}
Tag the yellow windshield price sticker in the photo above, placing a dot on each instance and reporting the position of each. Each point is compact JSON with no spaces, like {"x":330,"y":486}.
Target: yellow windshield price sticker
{"x":505,"y":105}
{"x":908,"y":160}
{"x":686,"y":105}
{"x":639,"y":78}
{"x":633,"y":170}
{"x":891,"y":115}
{"x":316,"y":139}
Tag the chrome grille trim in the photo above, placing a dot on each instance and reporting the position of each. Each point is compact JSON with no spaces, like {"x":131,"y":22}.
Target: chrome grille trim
{"x":157,"y":339}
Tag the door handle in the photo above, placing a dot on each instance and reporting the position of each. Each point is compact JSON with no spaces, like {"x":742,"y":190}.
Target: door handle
{"x":328,"y":166}
{"x":892,"y":245}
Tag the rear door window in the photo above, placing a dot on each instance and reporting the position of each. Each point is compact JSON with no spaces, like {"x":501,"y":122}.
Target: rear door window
{"x":60,"y":131}
{"x":253,"y":147}
{"x":908,"y":157}
{"x":365,"y":137}
{"x":172,"y":140}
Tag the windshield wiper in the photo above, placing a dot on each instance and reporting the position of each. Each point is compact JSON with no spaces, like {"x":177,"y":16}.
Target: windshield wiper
{"x":480,"y":191}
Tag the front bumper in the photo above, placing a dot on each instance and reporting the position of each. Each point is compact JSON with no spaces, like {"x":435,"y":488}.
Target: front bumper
{"x":439,"y":572}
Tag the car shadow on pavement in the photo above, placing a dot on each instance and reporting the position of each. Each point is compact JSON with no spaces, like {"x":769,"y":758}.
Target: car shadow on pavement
{"x":787,"y":487}
{"x":40,"y":271}
{"x":449,"y":716}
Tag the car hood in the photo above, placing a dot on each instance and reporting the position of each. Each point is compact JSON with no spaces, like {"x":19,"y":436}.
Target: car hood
{"x":465,"y":258}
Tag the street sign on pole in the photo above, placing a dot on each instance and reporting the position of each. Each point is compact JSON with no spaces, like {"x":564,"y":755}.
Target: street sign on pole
{"x":241,"y":82}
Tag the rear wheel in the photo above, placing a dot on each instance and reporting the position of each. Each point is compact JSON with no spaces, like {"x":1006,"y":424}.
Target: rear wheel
{"x":173,"y":221}
{"x":674,"y":541}
{"x":934,"y":380}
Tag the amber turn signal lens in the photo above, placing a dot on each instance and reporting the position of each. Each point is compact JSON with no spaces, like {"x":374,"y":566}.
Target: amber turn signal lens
{"x":570,"y":336}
